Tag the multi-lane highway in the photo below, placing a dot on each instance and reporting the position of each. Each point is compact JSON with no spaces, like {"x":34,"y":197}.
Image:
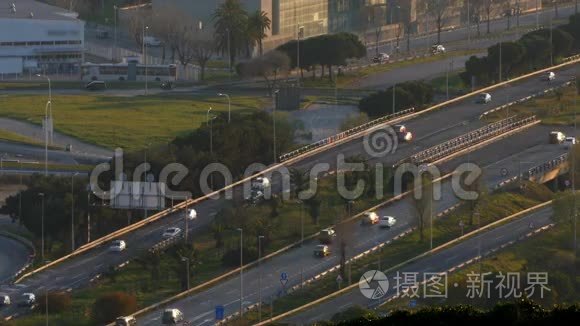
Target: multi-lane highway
{"x":451,"y":121}
{"x":436,"y":263}
{"x":530,"y":146}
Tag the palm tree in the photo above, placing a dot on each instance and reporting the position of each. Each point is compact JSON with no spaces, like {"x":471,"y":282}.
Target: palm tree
{"x":231,"y":21}
{"x":258,"y":24}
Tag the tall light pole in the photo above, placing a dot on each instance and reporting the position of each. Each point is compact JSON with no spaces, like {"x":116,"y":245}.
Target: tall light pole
{"x":260,"y":237}
{"x":500,"y":41}
{"x":241,"y":272}
{"x":551,"y":44}
{"x":298,"y":36}
{"x":72,"y":210}
{"x":41,"y":194}
{"x":47,"y":118}
{"x":276,"y":97}
{"x":229,"y":52}
{"x":145,"y":29}
{"x":88,"y":213}
{"x":186,"y":261}
{"x":229,"y":105}
{"x":115,"y":13}
{"x":394,"y":86}
{"x":537,"y":14}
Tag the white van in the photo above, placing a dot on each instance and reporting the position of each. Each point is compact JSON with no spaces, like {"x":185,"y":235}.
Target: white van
{"x":387,"y":221}
{"x":370,"y":218}
{"x":171,"y":317}
{"x":151,"y":41}
{"x":126,"y":321}
{"x":484,"y":98}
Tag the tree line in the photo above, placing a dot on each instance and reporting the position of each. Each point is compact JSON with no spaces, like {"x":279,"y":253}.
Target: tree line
{"x":408,"y":94}
{"x":325,"y":51}
{"x":533,"y":51}
{"x":236,"y":32}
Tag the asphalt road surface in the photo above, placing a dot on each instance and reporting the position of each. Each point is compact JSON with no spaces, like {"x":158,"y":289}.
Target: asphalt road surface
{"x":451,"y":121}
{"x":300,"y":264}
{"x":13,"y":256}
{"x":438,"y":262}
{"x":30,"y":153}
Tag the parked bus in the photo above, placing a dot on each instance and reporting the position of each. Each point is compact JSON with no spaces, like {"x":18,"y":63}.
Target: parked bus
{"x":128,"y":71}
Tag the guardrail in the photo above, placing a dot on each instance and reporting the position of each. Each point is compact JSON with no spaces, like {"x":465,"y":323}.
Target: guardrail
{"x":473,"y":137}
{"x":539,"y":169}
{"x":376,"y":304}
{"x":185,"y":204}
{"x":165,"y":244}
{"x":525,"y":99}
{"x":344,"y":134}
{"x":409,"y":261}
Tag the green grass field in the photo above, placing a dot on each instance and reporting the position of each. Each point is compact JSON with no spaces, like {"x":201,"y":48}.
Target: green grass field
{"x":127,"y":122}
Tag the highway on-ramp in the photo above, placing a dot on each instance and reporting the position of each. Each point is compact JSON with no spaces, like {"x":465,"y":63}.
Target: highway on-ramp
{"x":13,"y":256}
{"x":429,"y":129}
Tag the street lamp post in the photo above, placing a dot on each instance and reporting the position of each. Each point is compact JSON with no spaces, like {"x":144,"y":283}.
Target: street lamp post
{"x":260,"y":237}
{"x":229,"y":105}
{"x":229,"y":53}
{"x":186,"y":261}
{"x":241,"y":272}
{"x":72,"y":209}
{"x":47,"y":109}
{"x":145,"y":29}
{"x":41,"y":194}
{"x":115,"y":13}
{"x":276,"y":98}
{"x":298,"y":36}
{"x":88,"y":215}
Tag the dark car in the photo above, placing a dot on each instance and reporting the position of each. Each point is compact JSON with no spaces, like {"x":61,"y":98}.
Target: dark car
{"x":96,"y":85}
{"x":167,"y":85}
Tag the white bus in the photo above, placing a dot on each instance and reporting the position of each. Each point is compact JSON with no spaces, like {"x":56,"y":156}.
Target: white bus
{"x":127,"y":71}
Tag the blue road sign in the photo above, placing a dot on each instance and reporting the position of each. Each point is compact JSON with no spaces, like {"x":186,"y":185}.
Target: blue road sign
{"x":219,"y":312}
{"x":412,"y":303}
{"x":283,"y":276}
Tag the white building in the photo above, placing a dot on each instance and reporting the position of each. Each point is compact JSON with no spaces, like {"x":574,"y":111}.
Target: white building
{"x":38,"y":38}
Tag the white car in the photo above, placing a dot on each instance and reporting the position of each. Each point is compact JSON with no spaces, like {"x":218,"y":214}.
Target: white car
{"x":27,"y":300}
{"x":484,"y":98}
{"x":118,"y":246}
{"x":171,"y":317}
{"x":151,"y":41}
{"x":387,"y":221}
{"x":191,"y":214}
{"x":370,"y":218}
{"x":437,"y":48}
{"x":550,"y":76}
{"x":4,"y":300}
{"x":171,"y":232}
{"x":381,"y":58}
{"x":260,"y":183}
{"x":569,"y":142}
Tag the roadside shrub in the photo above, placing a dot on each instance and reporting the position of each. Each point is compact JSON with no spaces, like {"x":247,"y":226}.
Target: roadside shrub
{"x":112,"y":305}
